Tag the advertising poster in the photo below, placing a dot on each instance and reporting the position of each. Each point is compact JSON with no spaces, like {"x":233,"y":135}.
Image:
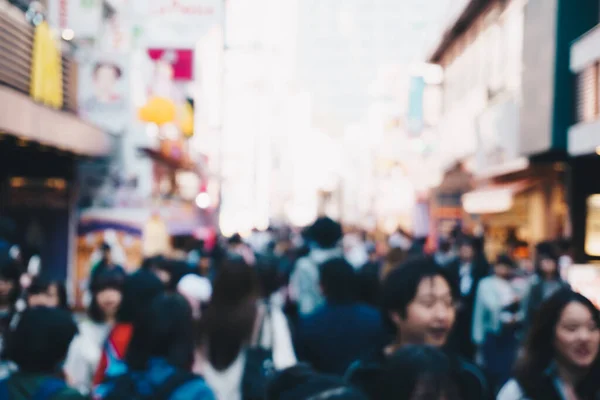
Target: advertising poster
{"x":103,"y":88}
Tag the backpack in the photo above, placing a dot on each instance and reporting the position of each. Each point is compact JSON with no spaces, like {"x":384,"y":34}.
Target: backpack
{"x":127,"y":386}
{"x":259,"y":363}
{"x":48,"y":389}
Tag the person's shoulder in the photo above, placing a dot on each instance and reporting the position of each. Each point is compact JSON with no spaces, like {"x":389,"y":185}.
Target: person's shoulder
{"x":69,"y":393}
{"x":471,"y":376}
{"x":195,"y":389}
{"x":511,"y":391}
{"x":369,"y":312}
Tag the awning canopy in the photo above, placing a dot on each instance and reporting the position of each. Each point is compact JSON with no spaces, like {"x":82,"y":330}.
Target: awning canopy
{"x":493,"y":199}
{"x":22,"y":117}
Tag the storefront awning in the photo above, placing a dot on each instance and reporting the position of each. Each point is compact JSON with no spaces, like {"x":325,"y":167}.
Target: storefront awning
{"x":23,"y":117}
{"x":493,"y":199}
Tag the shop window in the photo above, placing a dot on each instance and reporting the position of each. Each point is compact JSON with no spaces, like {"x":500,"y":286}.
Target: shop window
{"x":592,"y":226}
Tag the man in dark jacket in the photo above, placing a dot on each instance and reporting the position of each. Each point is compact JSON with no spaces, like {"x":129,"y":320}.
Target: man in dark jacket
{"x":338,"y":332}
{"x":418,"y":301}
{"x":465,"y":274}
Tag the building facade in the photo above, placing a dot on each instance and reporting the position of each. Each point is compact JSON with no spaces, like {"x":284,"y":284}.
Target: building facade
{"x":584,"y":147}
{"x":500,"y":58}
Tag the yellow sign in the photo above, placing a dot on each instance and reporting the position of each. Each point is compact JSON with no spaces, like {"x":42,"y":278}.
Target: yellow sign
{"x":46,"y":68}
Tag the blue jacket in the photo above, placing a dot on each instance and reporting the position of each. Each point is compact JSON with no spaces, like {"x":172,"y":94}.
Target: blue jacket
{"x":338,"y":334}
{"x":156,"y":374}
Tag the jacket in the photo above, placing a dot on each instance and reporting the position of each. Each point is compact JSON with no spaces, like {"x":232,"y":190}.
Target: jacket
{"x":156,"y":374}
{"x":22,"y":386}
{"x":338,"y":334}
{"x":304,"y":281}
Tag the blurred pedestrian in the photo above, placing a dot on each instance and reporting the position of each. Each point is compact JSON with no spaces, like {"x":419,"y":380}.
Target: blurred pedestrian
{"x":47,"y":292}
{"x":86,"y":349}
{"x":301,"y":382}
{"x":340,"y":331}
{"x":560,"y":359}
{"x":419,"y":306}
{"x":38,"y":345}
{"x":324,"y":238}
{"x":418,"y":373}
{"x":466,"y":273}
{"x":546,"y":281}
{"x":160,"y":356}
{"x":139,"y":290}
{"x":497,"y":319}
{"x":241,"y":339}
{"x":106,"y":265}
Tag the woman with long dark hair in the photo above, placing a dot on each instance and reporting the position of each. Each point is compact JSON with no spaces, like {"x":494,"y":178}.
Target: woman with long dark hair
{"x":160,"y":356}
{"x":232,"y":328}
{"x":560,"y":358}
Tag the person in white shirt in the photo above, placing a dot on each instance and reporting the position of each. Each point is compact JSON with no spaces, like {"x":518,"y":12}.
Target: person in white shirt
{"x":496,"y":319}
{"x":86,"y":348}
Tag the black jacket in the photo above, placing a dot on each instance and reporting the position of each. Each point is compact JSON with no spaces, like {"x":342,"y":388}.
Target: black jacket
{"x":364,"y":374}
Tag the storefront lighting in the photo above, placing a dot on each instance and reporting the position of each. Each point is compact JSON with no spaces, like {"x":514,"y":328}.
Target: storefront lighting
{"x":68,"y":34}
{"x":488,"y":201}
{"x":203,"y":200}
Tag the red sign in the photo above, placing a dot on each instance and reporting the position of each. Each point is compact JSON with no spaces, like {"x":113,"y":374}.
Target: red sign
{"x":181,"y":60}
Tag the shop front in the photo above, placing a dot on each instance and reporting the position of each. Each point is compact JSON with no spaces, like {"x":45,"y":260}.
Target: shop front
{"x":584,"y":149}
{"x":41,"y":140}
{"x":519,"y":209}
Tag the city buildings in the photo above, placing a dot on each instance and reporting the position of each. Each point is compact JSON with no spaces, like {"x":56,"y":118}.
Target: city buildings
{"x":507,"y":101}
{"x":584,"y":147}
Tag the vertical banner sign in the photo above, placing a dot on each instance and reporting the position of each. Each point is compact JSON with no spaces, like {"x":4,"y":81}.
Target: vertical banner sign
{"x":415,"y":105}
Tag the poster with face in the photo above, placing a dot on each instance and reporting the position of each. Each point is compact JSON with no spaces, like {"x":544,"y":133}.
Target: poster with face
{"x":103,"y":84}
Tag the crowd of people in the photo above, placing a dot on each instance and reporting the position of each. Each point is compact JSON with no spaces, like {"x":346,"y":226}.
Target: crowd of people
{"x":317,"y":314}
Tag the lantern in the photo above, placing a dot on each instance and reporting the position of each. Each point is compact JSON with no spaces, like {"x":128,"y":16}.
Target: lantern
{"x":158,"y":110}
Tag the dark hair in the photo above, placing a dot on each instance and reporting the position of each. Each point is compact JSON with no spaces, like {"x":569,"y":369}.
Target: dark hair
{"x":269,"y":276}
{"x":546,"y":250}
{"x":325,"y":232}
{"x":338,"y":280}
{"x":505,"y":259}
{"x":113,"y":66}
{"x":400,"y":286}
{"x":11,"y":270}
{"x":40,"y":340}
{"x":165,"y":331}
{"x":417,"y":372}
{"x":538,"y":351}
{"x":42,"y":284}
{"x":101,"y":283}
{"x":235,"y":239}
{"x":228,"y":322}
{"x":301,"y":382}
{"x":139,"y":290}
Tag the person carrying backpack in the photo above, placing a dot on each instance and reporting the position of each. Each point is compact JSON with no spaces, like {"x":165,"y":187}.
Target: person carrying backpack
{"x":38,"y":345}
{"x":160,"y":357}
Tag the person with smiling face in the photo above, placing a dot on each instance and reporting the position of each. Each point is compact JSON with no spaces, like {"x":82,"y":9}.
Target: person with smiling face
{"x":560,"y":358}
{"x":419,"y":304}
